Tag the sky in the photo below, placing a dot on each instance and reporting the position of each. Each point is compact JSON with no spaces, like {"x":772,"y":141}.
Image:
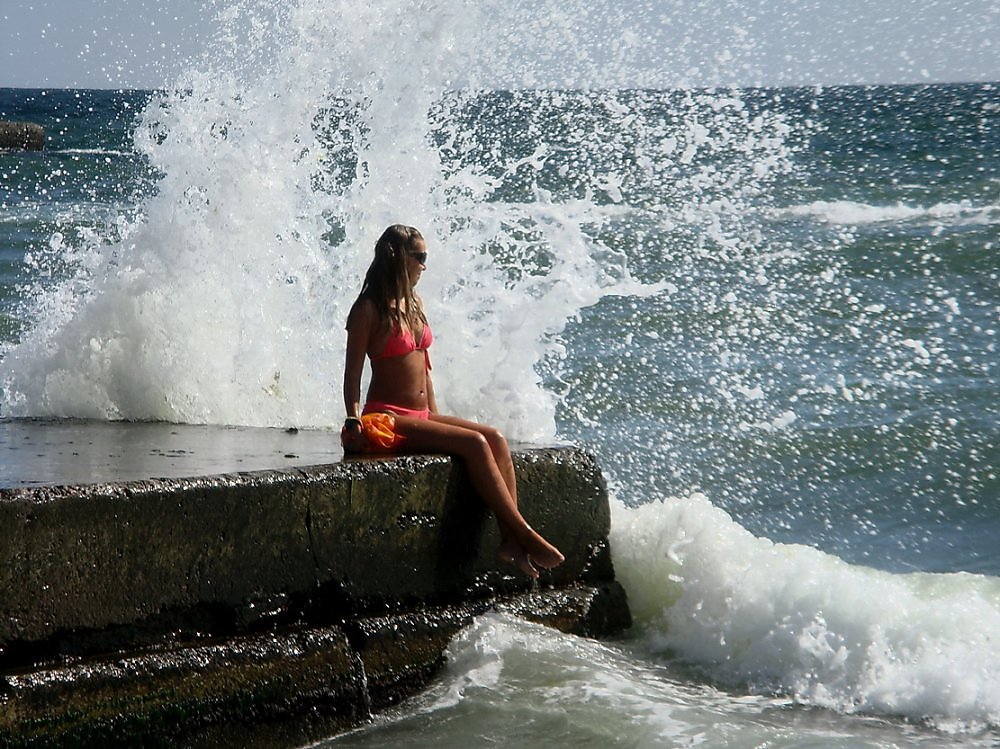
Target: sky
{"x":146,"y":43}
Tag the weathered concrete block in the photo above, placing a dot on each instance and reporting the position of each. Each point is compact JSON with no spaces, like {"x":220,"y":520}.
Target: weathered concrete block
{"x":133,"y":699}
{"x":21,"y":135}
{"x":577,"y":610}
{"x":412,"y":528}
{"x":93,"y":556}
{"x":312,"y":682}
{"x":354,"y":535}
{"x":150,"y":608}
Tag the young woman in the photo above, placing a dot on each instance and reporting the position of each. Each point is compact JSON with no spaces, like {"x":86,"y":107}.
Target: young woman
{"x":387,"y":324}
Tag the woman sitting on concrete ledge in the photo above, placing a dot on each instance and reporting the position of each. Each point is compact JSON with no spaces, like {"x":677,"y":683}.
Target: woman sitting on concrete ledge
{"x":400,"y":415}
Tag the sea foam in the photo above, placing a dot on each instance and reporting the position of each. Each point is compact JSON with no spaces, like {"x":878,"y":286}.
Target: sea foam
{"x":789,"y":619}
{"x":851,"y":213}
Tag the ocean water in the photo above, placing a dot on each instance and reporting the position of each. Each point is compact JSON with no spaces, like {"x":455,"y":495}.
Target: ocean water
{"x":771,"y":313}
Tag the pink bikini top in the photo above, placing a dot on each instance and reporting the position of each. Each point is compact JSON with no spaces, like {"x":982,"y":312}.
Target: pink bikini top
{"x":401,"y":343}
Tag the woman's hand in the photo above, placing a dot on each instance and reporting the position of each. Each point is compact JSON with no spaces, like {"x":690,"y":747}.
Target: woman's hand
{"x":352,"y":437}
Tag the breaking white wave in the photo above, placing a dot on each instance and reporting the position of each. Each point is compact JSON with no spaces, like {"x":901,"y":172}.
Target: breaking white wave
{"x":790,"y":620}
{"x":850,"y":213}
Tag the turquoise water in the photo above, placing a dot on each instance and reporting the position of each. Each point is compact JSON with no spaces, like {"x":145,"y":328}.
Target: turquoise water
{"x":772,"y":315}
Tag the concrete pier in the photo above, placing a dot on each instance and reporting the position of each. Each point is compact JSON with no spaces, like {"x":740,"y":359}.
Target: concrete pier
{"x":298,"y":599}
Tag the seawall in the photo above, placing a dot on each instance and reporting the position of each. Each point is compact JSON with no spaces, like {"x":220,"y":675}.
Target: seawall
{"x":176,"y":611}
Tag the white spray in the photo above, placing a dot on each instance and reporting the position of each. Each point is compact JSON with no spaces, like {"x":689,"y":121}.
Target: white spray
{"x":303,"y":131}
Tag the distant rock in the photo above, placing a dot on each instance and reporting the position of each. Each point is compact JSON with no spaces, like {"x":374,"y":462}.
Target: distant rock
{"x":21,"y":135}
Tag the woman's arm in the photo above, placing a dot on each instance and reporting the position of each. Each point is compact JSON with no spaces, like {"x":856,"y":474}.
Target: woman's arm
{"x":359,"y":332}
{"x":360,"y":326}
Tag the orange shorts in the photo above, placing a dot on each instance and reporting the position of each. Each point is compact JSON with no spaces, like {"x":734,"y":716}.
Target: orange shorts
{"x":379,"y":430}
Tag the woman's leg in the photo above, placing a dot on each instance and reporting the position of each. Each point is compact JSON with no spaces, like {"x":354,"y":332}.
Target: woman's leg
{"x":510,"y":548}
{"x":520,"y":544}
{"x":498,"y":446}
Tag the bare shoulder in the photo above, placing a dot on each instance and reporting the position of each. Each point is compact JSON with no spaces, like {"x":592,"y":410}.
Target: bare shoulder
{"x":363,"y":314}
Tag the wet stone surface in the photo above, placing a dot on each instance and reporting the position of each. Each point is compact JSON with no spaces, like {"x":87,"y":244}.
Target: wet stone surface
{"x":38,"y":452}
{"x":150,"y":582}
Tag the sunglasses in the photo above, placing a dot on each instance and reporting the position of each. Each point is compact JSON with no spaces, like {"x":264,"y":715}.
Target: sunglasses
{"x":420,"y":257}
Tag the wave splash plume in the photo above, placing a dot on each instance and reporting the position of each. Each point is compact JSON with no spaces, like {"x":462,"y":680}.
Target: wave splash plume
{"x":280,"y":156}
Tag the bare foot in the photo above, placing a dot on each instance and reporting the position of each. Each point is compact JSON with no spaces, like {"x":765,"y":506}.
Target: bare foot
{"x":507,"y":549}
{"x":541,"y":551}
{"x":511,"y":552}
